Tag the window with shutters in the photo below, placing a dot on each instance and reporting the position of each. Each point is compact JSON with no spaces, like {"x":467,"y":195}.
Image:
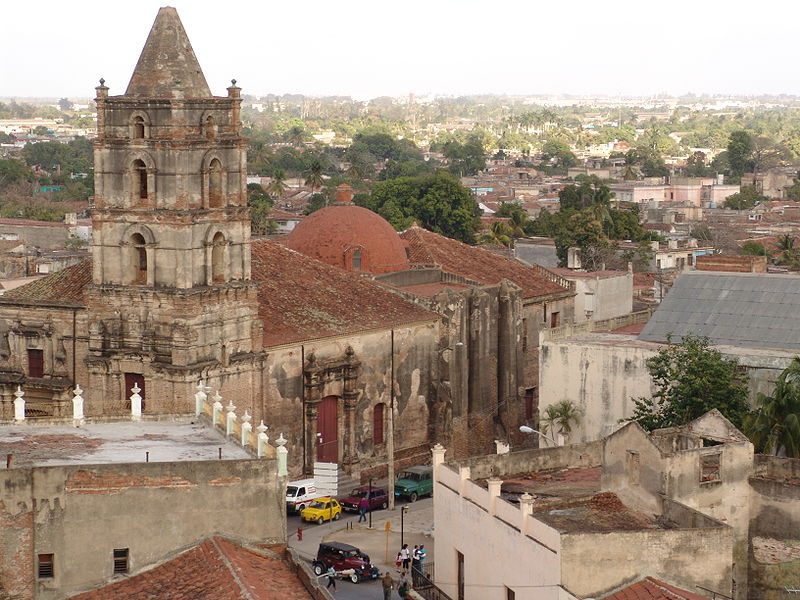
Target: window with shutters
{"x":46,"y":570}
{"x":120,"y":560}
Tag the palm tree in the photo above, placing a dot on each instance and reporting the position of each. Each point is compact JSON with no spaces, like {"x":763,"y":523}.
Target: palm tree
{"x":774,"y":427}
{"x":278,"y":185}
{"x":499,"y":234}
{"x":560,"y":417}
{"x":787,"y":253}
{"x":314,"y":178}
{"x":295,"y":135}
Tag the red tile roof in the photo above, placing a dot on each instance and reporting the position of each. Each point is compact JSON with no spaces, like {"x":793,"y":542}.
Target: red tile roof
{"x":216,"y":569}
{"x":64,"y":286}
{"x":301,"y":298}
{"x":426,"y":248}
{"x":653,"y":589}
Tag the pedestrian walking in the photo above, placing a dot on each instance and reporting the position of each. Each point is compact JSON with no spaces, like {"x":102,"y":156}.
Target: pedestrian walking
{"x":388,"y":585}
{"x":402,"y":586}
{"x":363,"y":505}
{"x":405,"y":556}
{"x":332,"y":578}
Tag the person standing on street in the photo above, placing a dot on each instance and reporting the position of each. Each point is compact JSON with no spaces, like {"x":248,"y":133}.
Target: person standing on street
{"x":388,"y":585}
{"x":331,"y":578}
{"x":363,"y":505}
{"x":423,"y":554}
{"x":414,"y":560}
{"x":405,"y":556}
{"x":402,"y":586}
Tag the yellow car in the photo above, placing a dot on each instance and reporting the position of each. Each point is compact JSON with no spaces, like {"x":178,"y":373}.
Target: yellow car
{"x":321,"y":510}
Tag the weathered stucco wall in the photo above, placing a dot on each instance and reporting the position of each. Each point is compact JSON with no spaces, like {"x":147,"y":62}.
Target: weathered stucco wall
{"x":80,"y":514}
{"x":531,"y":461}
{"x":596,"y":563}
{"x":603,"y":297}
{"x":775,"y":515}
{"x":415,"y":352}
{"x":600,"y":377}
{"x":493,"y":551}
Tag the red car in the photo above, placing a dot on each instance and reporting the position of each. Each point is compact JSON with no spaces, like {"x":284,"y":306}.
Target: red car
{"x":376,"y":497}
{"x":344,"y":557}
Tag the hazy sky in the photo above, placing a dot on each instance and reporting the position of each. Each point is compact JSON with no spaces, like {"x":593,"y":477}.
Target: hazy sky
{"x":370,"y":48}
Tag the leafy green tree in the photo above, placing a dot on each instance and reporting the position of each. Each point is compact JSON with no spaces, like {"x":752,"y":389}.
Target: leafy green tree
{"x":696,"y":165}
{"x":558,"y":154}
{"x":75,"y":243}
{"x":793,"y":192}
{"x":315,"y":202}
{"x":12,"y":172}
{"x":40,"y":130}
{"x":774,"y":427}
{"x":466,"y":159}
{"x":746,"y":197}
{"x":589,"y":191}
{"x":437,"y":202}
{"x":406,"y":168}
{"x":752,"y":248}
{"x":740,"y":153}
{"x":260,"y":204}
{"x":690,"y":379}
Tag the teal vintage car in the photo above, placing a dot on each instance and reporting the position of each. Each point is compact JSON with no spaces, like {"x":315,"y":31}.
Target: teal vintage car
{"x":414,"y":482}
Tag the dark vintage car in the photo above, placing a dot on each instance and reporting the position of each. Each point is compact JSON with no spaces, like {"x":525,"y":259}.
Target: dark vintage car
{"x":344,"y":557}
{"x":376,"y":497}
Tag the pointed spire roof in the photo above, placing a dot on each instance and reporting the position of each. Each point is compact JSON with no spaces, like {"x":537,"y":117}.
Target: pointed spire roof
{"x":167,"y":67}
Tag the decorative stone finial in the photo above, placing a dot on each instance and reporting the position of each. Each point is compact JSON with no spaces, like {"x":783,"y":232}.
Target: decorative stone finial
{"x":233,"y":82}
{"x":102,"y":81}
{"x":247,"y":417}
{"x":281,"y":441}
{"x":262,"y":428}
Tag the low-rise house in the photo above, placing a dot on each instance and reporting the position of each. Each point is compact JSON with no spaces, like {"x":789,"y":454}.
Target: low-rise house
{"x":588,"y":519}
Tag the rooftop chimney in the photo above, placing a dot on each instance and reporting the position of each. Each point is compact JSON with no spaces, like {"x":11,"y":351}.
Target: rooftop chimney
{"x":344,"y":194}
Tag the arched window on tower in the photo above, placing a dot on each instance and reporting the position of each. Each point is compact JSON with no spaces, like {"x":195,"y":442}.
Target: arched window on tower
{"x":138,"y":128}
{"x":138,"y":259}
{"x":215,"y":184}
{"x":139,"y":181}
{"x":210,"y":127}
{"x":218,"y":258}
{"x":356,"y":260}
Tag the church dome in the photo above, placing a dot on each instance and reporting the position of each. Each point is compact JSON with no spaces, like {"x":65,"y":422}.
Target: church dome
{"x":351,"y":237}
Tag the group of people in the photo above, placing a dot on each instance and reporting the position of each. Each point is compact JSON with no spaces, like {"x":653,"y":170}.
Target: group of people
{"x":415,"y":557}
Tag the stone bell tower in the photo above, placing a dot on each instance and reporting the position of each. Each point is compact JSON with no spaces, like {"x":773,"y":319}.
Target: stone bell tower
{"x":172,"y":301}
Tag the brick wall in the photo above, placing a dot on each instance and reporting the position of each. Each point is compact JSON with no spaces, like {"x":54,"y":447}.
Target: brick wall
{"x":732,"y":263}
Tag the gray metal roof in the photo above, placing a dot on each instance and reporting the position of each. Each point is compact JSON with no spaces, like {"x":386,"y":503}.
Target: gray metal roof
{"x":733,"y":309}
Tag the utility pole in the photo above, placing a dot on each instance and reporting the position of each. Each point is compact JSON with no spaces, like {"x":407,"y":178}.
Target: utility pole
{"x":390,"y":432}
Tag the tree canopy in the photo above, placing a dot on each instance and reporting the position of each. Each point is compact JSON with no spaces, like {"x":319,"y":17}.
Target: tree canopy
{"x":437,"y":202}
{"x":690,"y":379}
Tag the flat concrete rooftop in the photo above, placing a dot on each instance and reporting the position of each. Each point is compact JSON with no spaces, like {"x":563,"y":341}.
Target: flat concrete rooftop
{"x":121,"y":442}
{"x":558,"y":483}
{"x":602,"y":513}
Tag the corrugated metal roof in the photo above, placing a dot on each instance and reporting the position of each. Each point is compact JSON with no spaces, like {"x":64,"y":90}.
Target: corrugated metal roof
{"x":753,"y":310}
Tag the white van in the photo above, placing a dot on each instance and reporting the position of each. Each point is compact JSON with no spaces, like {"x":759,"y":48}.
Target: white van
{"x":299,"y":493}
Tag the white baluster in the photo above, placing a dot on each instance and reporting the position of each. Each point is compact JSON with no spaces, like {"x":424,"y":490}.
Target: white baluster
{"x":19,"y":405}
{"x":231,"y":418}
{"x":199,"y":398}
{"x":136,"y":403}
{"x":263,"y":438}
{"x":283,"y":456}
{"x":246,"y":428}
{"x":77,"y":406}
{"x":216,"y":408}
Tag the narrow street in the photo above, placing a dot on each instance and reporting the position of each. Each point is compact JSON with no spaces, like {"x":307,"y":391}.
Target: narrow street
{"x":380,"y":546}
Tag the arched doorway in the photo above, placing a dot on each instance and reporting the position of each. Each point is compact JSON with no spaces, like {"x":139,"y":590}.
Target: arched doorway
{"x":327,"y":429}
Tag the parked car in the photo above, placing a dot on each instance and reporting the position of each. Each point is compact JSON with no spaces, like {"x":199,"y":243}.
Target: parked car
{"x":343,"y":557}
{"x":414,"y":482}
{"x":300,"y":493}
{"x":321,"y":510}
{"x":376,"y":497}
